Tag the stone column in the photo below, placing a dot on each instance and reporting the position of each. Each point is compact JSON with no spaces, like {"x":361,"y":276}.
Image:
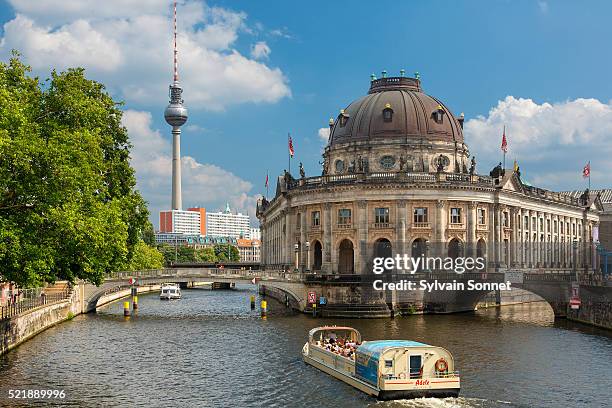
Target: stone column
{"x":402,"y":223}
{"x":326,"y":266}
{"x":440,"y":227}
{"x":289,"y":240}
{"x":497,"y":232}
{"x":472,"y":223}
{"x":362,"y":255}
{"x":303,"y":239}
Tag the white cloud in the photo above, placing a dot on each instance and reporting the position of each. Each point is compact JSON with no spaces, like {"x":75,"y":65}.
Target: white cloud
{"x":76,"y":43}
{"x":260,"y":50}
{"x":543,"y":5}
{"x":203,"y":184}
{"x":324,"y":135}
{"x":552,"y":142}
{"x":128,"y":46}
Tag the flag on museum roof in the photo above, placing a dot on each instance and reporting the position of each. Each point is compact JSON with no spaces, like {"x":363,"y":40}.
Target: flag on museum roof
{"x":291,"y":151}
{"x":266,"y":179}
{"x":586,"y":172}
{"x":504,"y":145}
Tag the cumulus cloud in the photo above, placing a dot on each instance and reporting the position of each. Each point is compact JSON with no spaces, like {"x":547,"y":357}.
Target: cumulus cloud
{"x":203,"y":185}
{"x":260,"y":50}
{"x":324,"y":135}
{"x":551,"y":141}
{"x":128,"y":46}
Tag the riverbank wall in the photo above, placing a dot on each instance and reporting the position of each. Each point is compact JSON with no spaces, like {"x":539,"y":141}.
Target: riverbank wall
{"x":595,"y":307}
{"x":22,"y":327}
{"x":17,"y":329}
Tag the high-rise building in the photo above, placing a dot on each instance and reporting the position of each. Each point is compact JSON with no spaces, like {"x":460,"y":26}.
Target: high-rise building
{"x":227,"y":224}
{"x":182,"y":222}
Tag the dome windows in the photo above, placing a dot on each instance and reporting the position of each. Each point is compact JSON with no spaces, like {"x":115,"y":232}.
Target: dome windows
{"x":343,"y":118}
{"x":438,"y":115}
{"x":387,"y":113}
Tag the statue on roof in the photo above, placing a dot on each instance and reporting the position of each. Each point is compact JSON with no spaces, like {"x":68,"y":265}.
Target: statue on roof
{"x":302,"y":172}
{"x":473,"y":166}
{"x":497,"y":171}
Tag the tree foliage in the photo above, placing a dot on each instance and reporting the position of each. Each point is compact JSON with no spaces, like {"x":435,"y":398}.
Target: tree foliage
{"x":189,"y":254}
{"x":145,"y":257}
{"x":68,"y":204}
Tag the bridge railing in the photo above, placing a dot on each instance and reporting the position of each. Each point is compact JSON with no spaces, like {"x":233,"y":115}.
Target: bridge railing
{"x":25,"y":300}
{"x":197,"y":272}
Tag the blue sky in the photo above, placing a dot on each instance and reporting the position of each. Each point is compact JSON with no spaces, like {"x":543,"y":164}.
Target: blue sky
{"x":253,"y":71}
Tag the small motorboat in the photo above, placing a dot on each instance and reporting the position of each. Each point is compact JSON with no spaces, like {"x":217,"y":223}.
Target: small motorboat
{"x":170,"y":291}
{"x":385,"y":369}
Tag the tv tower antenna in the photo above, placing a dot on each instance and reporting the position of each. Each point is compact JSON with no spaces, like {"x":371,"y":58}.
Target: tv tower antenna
{"x":176,"y":116}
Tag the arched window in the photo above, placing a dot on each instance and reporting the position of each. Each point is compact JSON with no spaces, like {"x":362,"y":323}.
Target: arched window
{"x":438,"y":115}
{"x":388,"y":113}
{"x":343,"y":118}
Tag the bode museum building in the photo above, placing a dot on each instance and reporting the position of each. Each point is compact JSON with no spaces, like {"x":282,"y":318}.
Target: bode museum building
{"x":398,"y":178}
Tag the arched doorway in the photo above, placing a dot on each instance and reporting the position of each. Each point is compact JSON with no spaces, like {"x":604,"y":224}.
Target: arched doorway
{"x":481,"y":249}
{"x":383,"y":249}
{"x":455,"y":248}
{"x":318,"y":256}
{"x":419,"y":250}
{"x":346,"y":259}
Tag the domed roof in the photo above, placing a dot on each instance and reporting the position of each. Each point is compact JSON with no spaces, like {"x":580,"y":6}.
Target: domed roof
{"x":396,"y":108}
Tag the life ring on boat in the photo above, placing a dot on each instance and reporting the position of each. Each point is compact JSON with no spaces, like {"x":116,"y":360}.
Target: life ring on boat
{"x":401,"y":376}
{"x":441,"y":365}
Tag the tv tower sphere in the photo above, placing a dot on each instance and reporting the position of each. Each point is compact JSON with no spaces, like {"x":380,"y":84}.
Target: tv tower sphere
{"x":175,"y":113}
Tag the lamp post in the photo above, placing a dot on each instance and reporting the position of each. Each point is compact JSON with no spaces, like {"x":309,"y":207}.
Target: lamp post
{"x":297,"y":249}
{"x":308,"y":256}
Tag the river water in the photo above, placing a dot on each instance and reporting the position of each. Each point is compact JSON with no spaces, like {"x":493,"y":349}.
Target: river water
{"x":210,"y":350}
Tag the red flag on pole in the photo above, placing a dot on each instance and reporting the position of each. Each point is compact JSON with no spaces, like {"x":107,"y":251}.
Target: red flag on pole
{"x":504,"y":145}
{"x":586,"y":171}
{"x":266,"y":180}
{"x":291,"y":151}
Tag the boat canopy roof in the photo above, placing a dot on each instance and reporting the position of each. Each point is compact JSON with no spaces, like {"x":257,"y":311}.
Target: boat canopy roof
{"x":335,"y":329}
{"x":377,"y":347}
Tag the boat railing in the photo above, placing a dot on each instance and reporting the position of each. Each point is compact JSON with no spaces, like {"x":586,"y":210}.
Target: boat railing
{"x":446,"y":374}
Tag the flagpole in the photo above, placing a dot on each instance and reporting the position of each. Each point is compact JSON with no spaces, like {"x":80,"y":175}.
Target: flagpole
{"x":288,"y":151}
{"x":504,"y":168}
{"x":589,"y":175}
{"x":267,"y":185}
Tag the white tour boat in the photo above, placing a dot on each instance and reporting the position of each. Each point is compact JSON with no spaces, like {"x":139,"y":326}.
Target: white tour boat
{"x":170,"y":291}
{"x":385,"y":369}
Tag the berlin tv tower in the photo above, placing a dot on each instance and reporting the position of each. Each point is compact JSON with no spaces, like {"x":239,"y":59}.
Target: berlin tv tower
{"x":176,"y":116}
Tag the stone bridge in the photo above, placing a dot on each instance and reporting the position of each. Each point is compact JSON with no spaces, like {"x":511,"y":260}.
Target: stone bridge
{"x":118,"y":284}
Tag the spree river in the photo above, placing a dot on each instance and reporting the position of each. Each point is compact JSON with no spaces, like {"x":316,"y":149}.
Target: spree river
{"x":210,"y":350}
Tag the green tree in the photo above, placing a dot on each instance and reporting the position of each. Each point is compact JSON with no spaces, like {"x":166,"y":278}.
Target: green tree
{"x":221,"y":251}
{"x":145,"y":257}
{"x":68,"y":204}
{"x":206,"y":255}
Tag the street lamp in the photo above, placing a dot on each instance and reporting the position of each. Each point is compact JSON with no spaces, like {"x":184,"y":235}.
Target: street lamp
{"x":297,"y":249}
{"x":308,"y":255}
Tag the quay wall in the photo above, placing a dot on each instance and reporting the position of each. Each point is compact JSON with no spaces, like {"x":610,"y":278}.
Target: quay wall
{"x":20,"y":328}
{"x":595,"y":307}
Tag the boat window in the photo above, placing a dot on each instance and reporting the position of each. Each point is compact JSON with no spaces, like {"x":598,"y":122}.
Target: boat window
{"x":415,"y":366}
{"x":388,"y":363}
